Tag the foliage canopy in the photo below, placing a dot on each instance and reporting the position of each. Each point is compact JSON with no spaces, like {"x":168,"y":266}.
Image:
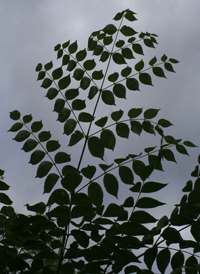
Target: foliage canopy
{"x":84,"y":227}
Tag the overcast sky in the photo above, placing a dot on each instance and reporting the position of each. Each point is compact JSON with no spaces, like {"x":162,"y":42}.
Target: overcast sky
{"x":29,"y":32}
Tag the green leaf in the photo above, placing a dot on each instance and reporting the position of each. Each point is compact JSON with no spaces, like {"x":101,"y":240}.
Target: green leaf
{"x":107,"y":41}
{"x":71,"y":180}
{"x":52,"y":145}
{"x":97,"y":75}
{"x":137,"y":48}
{"x":93,"y":91}
{"x":78,"y":104}
{"x":188,"y":186}
{"x":108,"y":139}
{"x":96,"y":147}
{"x":127,"y":53}
{"x":136,"y":127}
{"x":164,"y":58}
{"x":22,"y":135}
{"x":138,"y":166}
{"x":44,"y":136}
{"x":153,"y":61}
{"x":169,"y":67}
{"x":36,"y":126}
{"x":52,"y":93}
{"x":172,"y":235}
{"x":116,"y":115}
{"x":59,"y":196}
{"x":16,"y":127}
{"x":27,"y":118}
{"x":57,"y":47}
{"x":113,"y":210}
{"x":163,"y":259}
{"x":107,"y":97}
{"x":96,"y":194}
{"x":69,"y":126}
{"x":85,"y":82}
{"x":104,"y":167}
{"x":73,"y":47}
{"x":71,"y":65}
{"x":113,"y":77}
{"x":4,"y":186}
{"x":142,"y":217}
{"x":148,"y":43}
{"x":64,"y":82}
{"x":85,"y":117}
{"x":36,"y":157}
{"x":127,"y":31}
{"x":91,"y":43}
{"x":39,"y":207}
{"x":122,"y":130}
{"x":158,"y":72}
{"x":120,"y":43}
{"x":132,"y":84}
{"x":49,"y":65}
{"x":177,"y":260}
{"x":174,"y":61}
{"x":46,"y":83}
{"x":118,"y":58}
{"x":189,"y":144}
{"x":126,"y":175}
{"x":101,"y":122}
{"x":98,"y":50}
{"x":126,"y":71}
{"x":78,"y":74}
{"x":43,"y":169}
{"x":129,"y":16}
{"x":110,"y":29}
{"x":129,"y":202}
{"x":38,"y":67}
{"x":164,"y":123}
{"x":15,"y":115}
{"x":104,"y":56}
{"x":71,"y":94}
{"x":80,"y":56}
{"x":41,"y":75}
{"x":134,"y":112}
{"x":88,"y":171}
{"x":111,"y":184}
{"x":89,"y":64}
{"x":57,"y":73}
{"x":146,"y":202}
{"x":62,"y":157}
{"x":75,"y":138}
{"x":150,"y":187}
{"x":29,"y":145}
{"x":66,"y":44}
{"x":65,"y":59}
{"x":118,"y":16}
{"x":150,"y":256}
{"x":50,"y":182}
{"x":145,"y":79}
{"x":150,"y":113}
{"x":148,"y":127}
{"x":4,"y":199}
{"x":119,"y":90}
{"x":81,"y":237}
{"x":168,"y":155}
{"x":181,"y":149}
{"x":139,"y":66}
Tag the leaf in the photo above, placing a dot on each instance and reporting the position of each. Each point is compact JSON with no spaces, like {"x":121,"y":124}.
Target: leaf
{"x":75,"y":138}
{"x":119,"y":90}
{"x":107,"y":97}
{"x":52,"y":93}
{"x":98,"y":50}
{"x":126,"y":175}
{"x":52,"y":145}
{"x":50,"y":182}
{"x":15,"y":115}
{"x":44,"y":136}
{"x":150,"y":187}
{"x":111,"y":184}
{"x":118,"y":58}
{"x":169,"y":67}
{"x":39,"y":207}
{"x":89,"y":64}
{"x":80,"y":56}
{"x":189,"y":144}
{"x":150,"y":256}
{"x":181,"y":149}
{"x":59,"y":196}
{"x":85,"y":117}
{"x":129,"y":16}
{"x":64,"y":82}
{"x":49,"y":65}
{"x":148,"y":127}
{"x":188,"y":186}
{"x":142,"y":217}
{"x":172,"y":235}
{"x":139,"y":66}
{"x":62,"y":157}
{"x":104,"y":167}
{"x":146,"y":202}
{"x":148,"y":43}
{"x":71,"y":180}
{"x":163,"y":259}
{"x":41,"y":75}
{"x":145,"y":79}
{"x":174,"y":61}
{"x":36,"y":126}
{"x":69,"y":126}
{"x":22,"y":135}
{"x":73,"y":47}
{"x":132,"y":84}
{"x":88,"y":171}
{"x":38,"y":67}
{"x":138,"y":166}
{"x":81,"y":237}
{"x":122,"y":130}
{"x":16,"y":127}
{"x":127,"y":31}
{"x":96,"y":147}
{"x":113,"y":77}
{"x":158,"y":72}
{"x":65,"y":59}
{"x":150,"y":113}
{"x":107,"y":41}
{"x":101,"y":122}
{"x":29,"y":145}
{"x":46,"y":83}
{"x":129,"y":202}
{"x":110,"y":29}
{"x":136,"y":127}
{"x":153,"y":61}
{"x":93,"y":91}
{"x":71,"y":65}
{"x":168,"y":155}
{"x":4,"y":186}
{"x":126,"y":71}
{"x":85,"y":82}
{"x":113,"y":210}
{"x":104,"y":56}
{"x":36,"y":157}
{"x":27,"y":118}
{"x":134,"y":112}
{"x":57,"y":73}
{"x":4,"y":199}
{"x":108,"y":139}
{"x":137,"y":48}
{"x":127,"y":53}
{"x":96,"y":194}
{"x":78,"y":74}
{"x":97,"y":75}
{"x":177,"y":260}
{"x":91,"y":43}
{"x":118,"y":16}
{"x":164,"y":123}
{"x":43,"y":169}
{"x":116,"y":115}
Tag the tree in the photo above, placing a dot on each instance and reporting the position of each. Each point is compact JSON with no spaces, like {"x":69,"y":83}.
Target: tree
{"x":78,"y":229}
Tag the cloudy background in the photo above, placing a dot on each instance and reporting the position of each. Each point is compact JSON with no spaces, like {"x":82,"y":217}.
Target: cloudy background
{"x":29,"y":32}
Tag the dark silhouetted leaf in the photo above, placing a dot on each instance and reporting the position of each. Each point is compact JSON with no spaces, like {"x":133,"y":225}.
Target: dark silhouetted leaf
{"x":85,"y":82}
{"x":71,"y":65}
{"x":22,"y":135}
{"x":75,"y":138}
{"x":50,"y":182}
{"x":71,"y":180}
{"x":127,"y":31}
{"x":142,"y":217}
{"x":101,"y":122}
{"x":73,"y":47}
{"x":108,"y":139}
{"x":88,"y":171}
{"x":126,"y":175}
{"x":36,"y":126}
{"x":4,"y":199}
{"x":65,"y":59}
{"x":39,"y":207}
{"x":153,"y":61}
{"x":93,"y":91}
{"x":118,"y":58}
{"x":81,"y":237}
{"x":146,"y":202}
{"x":148,"y":127}
{"x":59,"y":196}
{"x":78,"y":104}
{"x":122,"y":130}
{"x":78,"y":74}
{"x":41,"y":75}
{"x":43,"y":169}
{"x":57,"y":73}
{"x":36,"y":157}
{"x":89,"y":64}
{"x":29,"y":145}
{"x":104,"y":56}
{"x":80,"y":56}
{"x":177,"y":260}
{"x":95,"y":193}
{"x":97,"y":75}
{"x":139,"y":66}
{"x":62,"y":157}
{"x":16,"y":127}
{"x":44,"y":136}
{"x":163,"y":259}
{"x":107,"y":41}
{"x":126,"y":71}
{"x":129,"y":202}
{"x":164,"y":123}
{"x":132,"y":84}
{"x":113,"y":77}
{"x":127,"y":53}
{"x":15,"y":115}
{"x":169,"y":67}
{"x":64,"y":82}
{"x":110,"y":29}
{"x":69,"y":126}
{"x":96,"y":147}
{"x":85,"y":117}
{"x":158,"y":72}
{"x":148,"y":43}
{"x":52,"y":93}
{"x":52,"y":145}
{"x":137,"y":48}
{"x":150,"y":113}
{"x":116,"y":115}
{"x":107,"y":97}
{"x":145,"y":79}
{"x":46,"y":83}
{"x":113,"y":210}
{"x":119,"y":90}
{"x":111,"y":184}
{"x":136,"y":127}
{"x":168,"y":155}
{"x":38,"y":67}
{"x":149,"y":187}
{"x":181,"y":149}
{"x":150,"y":256}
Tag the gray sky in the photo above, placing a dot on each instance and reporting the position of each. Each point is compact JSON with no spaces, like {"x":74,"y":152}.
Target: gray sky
{"x":29,"y":32}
